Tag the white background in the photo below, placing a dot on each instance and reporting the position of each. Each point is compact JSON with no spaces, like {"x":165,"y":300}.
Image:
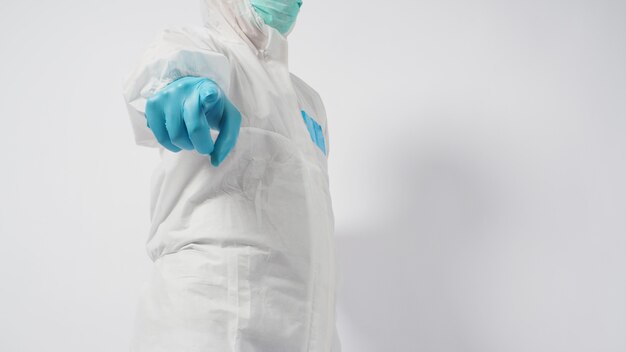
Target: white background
{"x":478,"y":168}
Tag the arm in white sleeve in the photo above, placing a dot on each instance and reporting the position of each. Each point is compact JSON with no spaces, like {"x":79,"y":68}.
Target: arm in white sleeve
{"x":174,"y":54}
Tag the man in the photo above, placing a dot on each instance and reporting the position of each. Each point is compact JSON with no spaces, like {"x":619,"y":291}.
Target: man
{"x":242,"y":222}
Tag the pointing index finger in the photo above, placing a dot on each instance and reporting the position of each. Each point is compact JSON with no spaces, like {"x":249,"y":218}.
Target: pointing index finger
{"x":229,"y":132}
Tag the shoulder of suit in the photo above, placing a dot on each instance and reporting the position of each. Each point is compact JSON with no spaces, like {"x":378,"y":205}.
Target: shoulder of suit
{"x":308,"y":96}
{"x":190,"y":37}
{"x":303,"y":86}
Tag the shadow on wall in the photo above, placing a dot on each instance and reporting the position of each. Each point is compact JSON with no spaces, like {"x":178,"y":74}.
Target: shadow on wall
{"x":408,"y":277}
{"x":485,"y":233}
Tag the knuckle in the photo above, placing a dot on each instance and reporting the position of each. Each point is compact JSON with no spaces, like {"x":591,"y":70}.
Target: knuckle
{"x":151,"y":102}
{"x":194,"y":128}
{"x":177,"y":135}
{"x":155,"y":101}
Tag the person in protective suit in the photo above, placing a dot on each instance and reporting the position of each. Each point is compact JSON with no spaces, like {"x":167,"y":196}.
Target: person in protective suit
{"x":242,"y":222}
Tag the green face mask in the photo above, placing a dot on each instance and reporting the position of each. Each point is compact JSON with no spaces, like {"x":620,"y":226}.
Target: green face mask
{"x":278,"y":14}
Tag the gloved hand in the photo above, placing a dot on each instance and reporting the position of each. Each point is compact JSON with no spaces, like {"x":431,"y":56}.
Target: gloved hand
{"x":182,"y":114}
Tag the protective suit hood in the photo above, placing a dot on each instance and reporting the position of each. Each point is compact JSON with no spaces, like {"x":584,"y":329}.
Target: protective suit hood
{"x":237,"y":18}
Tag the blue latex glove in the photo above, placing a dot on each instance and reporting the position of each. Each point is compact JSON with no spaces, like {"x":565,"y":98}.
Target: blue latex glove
{"x":182,"y":114}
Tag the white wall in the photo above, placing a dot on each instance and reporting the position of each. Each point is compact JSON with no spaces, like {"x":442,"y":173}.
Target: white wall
{"x":478,"y":167}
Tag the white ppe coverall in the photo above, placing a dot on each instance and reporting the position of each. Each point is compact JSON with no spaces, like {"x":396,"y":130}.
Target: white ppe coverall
{"x":243,"y":253}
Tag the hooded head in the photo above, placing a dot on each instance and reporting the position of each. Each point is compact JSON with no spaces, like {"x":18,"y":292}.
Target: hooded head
{"x":251,"y":19}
